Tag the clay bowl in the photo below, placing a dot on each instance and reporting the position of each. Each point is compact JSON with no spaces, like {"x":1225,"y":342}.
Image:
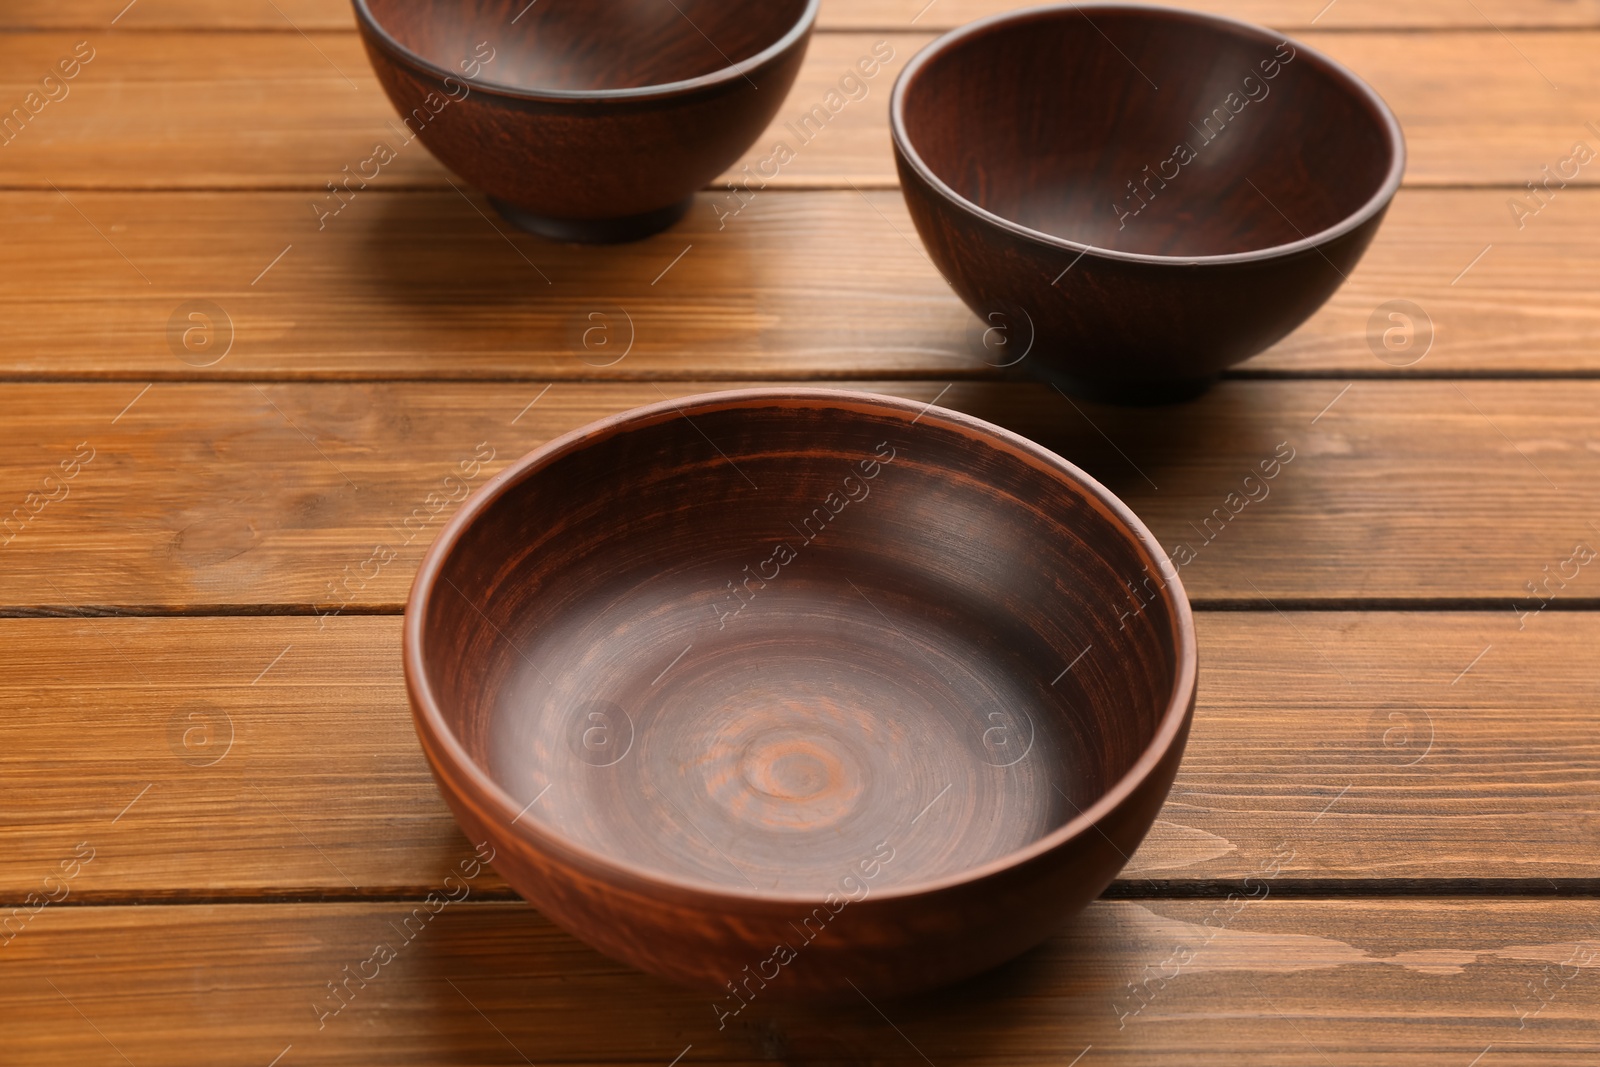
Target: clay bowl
{"x":1135,"y":242}
{"x":774,"y":691}
{"x":592,"y":121}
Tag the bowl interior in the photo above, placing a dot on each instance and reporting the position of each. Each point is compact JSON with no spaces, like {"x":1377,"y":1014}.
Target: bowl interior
{"x":1148,"y":131}
{"x":587,"y":46}
{"x":770,"y":644}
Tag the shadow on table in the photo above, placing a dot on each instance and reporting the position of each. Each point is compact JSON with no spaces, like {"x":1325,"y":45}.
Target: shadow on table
{"x":499,"y":982}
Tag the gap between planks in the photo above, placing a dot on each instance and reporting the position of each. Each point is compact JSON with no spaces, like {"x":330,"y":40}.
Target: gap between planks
{"x":1231,"y":605}
{"x":1330,"y":889}
{"x":843,"y":379}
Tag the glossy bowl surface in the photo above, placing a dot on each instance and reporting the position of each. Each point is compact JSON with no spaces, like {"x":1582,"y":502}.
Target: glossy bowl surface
{"x":1140,"y":196}
{"x":593,"y":121}
{"x":833,"y":686}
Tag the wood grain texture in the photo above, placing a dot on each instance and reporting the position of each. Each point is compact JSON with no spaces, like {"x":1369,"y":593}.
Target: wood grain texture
{"x":795,"y":285}
{"x":1043,"y":119}
{"x":281,"y":761}
{"x":194,"y":110}
{"x":594,"y":48}
{"x":188,"y":110}
{"x":1210,"y":982}
{"x":284,"y":15}
{"x":1334,"y":752}
{"x":1282,"y":14}
{"x":544,"y":135}
{"x":206,"y":495}
{"x":1015,"y":144}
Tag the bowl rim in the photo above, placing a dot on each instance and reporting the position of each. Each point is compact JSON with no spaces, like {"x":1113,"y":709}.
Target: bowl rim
{"x":1238,"y":27}
{"x":440,"y":742}
{"x":802,"y":27}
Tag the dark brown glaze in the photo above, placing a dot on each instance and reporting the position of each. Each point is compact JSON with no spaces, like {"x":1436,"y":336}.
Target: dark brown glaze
{"x":824,"y":674}
{"x":1145,"y":195}
{"x":592,"y":121}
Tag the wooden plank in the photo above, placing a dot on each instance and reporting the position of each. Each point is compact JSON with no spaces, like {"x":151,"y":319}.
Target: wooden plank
{"x":422,"y":285}
{"x":271,"y":110}
{"x":213,"y":496}
{"x":286,"y":15}
{"x":268,"y":15}
{"x":1486,"y":295}
{"x":798,"y":284}
{"x":1283,"y":14}
{"x":220,"y":768}
{"x":1169,"y":982}
{"x":227,"y":758}
{"x":284,"y":110}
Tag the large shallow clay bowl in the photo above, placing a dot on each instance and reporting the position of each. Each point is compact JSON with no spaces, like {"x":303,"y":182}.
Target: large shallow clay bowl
{"x":1136,"y":240}
{"x":587,"y":121}
{"x":801,"y":688}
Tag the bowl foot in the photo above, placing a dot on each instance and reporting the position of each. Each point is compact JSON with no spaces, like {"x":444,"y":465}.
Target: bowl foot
{"x":593,"y":231}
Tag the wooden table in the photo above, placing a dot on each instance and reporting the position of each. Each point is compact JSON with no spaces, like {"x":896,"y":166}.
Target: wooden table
{"x":220,"y":419}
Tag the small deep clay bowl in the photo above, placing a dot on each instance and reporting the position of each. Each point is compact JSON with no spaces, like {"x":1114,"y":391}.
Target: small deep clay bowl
{"x":1136,"y":197}
{"x":772,"y":692}
{"x":592,"y":121}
